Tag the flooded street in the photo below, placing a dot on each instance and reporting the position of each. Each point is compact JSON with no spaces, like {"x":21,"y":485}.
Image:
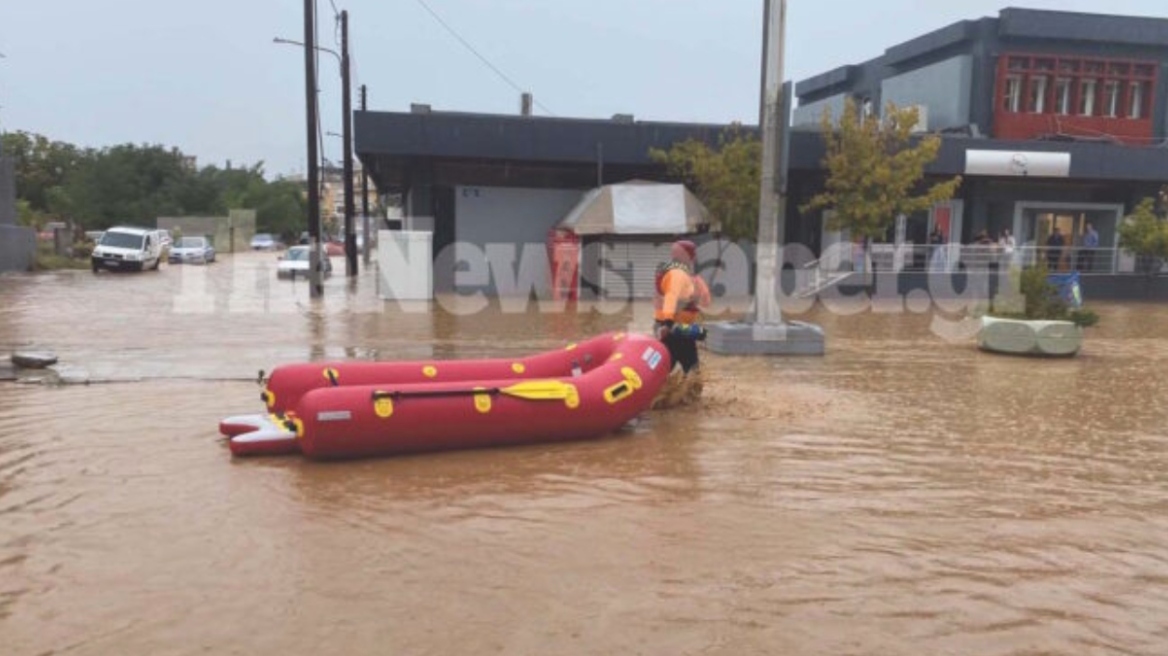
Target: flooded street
{"x":903,"y":495}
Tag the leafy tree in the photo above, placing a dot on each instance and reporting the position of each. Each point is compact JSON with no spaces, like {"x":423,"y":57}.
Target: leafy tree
{"x":41,"y":165}
{"x":137,"y":184}
{"x":1144,"y":234}
{"x":725,"y":178}
{"x":875,"y":168}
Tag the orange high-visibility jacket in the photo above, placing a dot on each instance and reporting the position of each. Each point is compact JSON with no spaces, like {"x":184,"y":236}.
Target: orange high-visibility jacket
{"x":680,"y":296}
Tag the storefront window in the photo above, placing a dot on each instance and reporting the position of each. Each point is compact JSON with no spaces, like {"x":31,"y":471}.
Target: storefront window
{"x":1040,"y":219}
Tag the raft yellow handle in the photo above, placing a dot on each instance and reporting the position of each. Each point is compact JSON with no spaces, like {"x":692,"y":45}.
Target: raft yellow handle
{"x":618,"y":392}
{"x":541,"y":390}
{"x":533,"y":390}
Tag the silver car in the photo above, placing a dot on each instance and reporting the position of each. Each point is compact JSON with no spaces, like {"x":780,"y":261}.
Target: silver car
{"x":196,"y":250}
{"x":294,"y":263}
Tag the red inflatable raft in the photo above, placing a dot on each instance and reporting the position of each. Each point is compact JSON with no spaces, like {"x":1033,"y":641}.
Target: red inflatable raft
{"x":356,"y":409}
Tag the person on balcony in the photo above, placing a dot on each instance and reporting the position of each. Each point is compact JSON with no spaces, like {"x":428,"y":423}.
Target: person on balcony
{"x":1054,"y":249}
{"x":1007,"y":244}
{"x":1090,"y":243}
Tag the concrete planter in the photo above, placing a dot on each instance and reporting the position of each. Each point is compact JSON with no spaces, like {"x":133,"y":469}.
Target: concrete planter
{"x":1039,"y":338}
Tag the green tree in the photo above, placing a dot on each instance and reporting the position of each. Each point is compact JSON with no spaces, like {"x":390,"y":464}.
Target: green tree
{"x":726,"y":178}
{"x":129,"y":184}
{"x":1145,"y":235}
{"x":137,"y":184}
{"x":41,"y":165}
{"x":875,"y":169}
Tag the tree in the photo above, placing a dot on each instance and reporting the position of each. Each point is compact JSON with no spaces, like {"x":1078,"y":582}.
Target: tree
{"x":138,"y":184}
{"x":875,"y":168}
{"x":725,"y":179}
{"x":41,"y":166}
{"x":1145,"y":235}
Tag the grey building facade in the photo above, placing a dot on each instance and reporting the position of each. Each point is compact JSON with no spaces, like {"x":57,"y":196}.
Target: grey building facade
{"x":17,"y":243}
{"x":477,"y":180}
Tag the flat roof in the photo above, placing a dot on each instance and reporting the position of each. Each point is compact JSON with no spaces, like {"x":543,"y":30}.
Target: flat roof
{"x":522,"y":138}
{"x":1011,"y":23}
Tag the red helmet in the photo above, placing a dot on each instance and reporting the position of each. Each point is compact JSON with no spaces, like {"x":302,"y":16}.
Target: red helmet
{"x":684,"y":250}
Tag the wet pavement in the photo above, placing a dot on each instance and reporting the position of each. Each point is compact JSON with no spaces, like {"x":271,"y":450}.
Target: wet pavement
{"x":906,"y":494}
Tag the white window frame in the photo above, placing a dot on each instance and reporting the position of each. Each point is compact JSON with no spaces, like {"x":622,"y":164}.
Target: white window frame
{"x":1087,"y":91}
{"x":1037,"y":100}
{"x":1062,"y":90}
{"x":1135,"y":108}
{"x":1013,"y":93}
{"x":1111,"y":89}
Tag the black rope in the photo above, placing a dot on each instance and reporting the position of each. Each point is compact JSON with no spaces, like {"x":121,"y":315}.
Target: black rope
{"x":436,"y":394}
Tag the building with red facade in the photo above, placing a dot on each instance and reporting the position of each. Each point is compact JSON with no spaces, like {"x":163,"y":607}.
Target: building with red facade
{"x":1055,"y":120}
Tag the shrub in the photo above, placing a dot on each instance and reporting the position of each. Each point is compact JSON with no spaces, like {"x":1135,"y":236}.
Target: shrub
{"x":1041,"y":300}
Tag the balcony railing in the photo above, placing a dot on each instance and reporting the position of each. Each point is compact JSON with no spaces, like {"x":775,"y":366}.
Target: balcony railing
{"x":957,"y":257}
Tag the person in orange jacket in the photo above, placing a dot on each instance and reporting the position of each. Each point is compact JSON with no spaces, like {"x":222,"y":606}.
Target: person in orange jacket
{"x":681,"y":296}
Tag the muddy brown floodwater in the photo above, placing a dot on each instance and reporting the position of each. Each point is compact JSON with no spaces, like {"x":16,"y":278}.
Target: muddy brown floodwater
{"x":903,"y":495}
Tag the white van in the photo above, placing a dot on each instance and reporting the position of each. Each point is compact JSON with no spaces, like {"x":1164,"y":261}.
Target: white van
{"x":128,"y":249}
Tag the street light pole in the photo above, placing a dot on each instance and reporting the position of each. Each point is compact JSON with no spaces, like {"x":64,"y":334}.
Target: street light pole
{"x":315,"y":289}
{"x":365,"y":197}
{"x":347,"y":108}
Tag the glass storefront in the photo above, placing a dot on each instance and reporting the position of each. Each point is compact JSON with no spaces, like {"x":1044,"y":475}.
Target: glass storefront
{"x":1035,"y":223}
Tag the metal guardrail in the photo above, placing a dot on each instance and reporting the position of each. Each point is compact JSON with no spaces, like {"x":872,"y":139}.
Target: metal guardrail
{"x":841,"y":261}
{"x":955,"y":257}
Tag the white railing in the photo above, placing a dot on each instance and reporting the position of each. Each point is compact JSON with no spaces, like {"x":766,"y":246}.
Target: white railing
{"x":956,"y":257}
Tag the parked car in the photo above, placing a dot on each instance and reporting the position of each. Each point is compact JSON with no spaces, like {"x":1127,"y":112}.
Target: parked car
{"x":196,"y":250}
{"x":125,"y":248}
{"x":294,"y":263}
{"x":265,"y":242}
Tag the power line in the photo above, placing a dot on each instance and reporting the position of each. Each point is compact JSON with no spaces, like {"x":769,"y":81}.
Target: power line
{"x":476,"y":53}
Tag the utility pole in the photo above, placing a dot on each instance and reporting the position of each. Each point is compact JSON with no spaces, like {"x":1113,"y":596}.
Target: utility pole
{"x":316,"y":290}
{"x":765,"y":333}
{"x":365,"y":195}
{"x":767,"y":310}
{"x":347,"y":108}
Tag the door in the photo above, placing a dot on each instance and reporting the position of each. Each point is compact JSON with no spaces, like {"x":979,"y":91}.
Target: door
{"x":948,"y":218}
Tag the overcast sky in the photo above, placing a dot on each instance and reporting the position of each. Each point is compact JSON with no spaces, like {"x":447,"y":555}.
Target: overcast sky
{"x":205,"y":76}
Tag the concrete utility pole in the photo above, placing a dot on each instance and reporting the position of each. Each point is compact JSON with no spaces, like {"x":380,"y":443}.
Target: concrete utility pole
{"x":365,"y":196}
{"x":765,"y":333}
{"x":316,"y":289}
{"x":766,"y":308}
{"x":347,"y":108}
